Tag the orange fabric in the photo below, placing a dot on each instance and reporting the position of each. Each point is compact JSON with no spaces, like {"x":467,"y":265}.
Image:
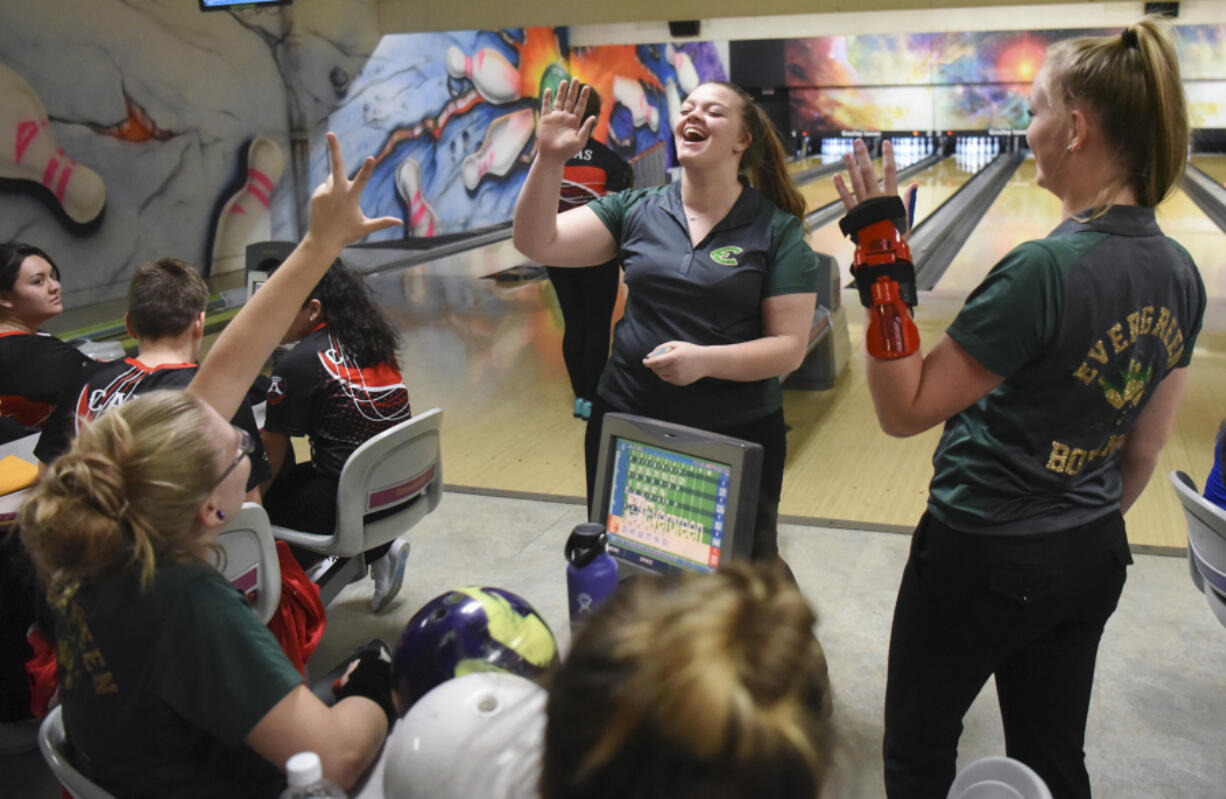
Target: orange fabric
{"x":299,"y":620}
{"x":40,"y":670}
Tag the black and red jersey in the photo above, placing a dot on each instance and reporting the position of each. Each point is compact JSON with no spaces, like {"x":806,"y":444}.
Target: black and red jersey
{"x":594,"y":172}
{"x":35,"y":369}
{"x":108,"y":385}
{"x":319,"y":391}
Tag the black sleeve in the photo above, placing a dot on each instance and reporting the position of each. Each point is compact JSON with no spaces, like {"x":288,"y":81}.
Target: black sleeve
{"x":60,"y":428}
{"x":61,"y":368}
{"x":260,"y":471}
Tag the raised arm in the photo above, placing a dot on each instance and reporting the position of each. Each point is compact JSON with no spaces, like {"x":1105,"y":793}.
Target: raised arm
{"x":914,"y":392}
{"x":242,"y":348}
{"x":576,"y":237}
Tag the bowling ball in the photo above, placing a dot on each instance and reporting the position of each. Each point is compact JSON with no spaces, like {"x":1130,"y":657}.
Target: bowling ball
{"x":554,"y":74}
{"x":480,"y":735}
{"x":466,"y":631}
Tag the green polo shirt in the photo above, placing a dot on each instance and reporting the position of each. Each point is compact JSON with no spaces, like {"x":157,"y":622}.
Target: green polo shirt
{"x":1083,"y":326}
{"x":161,"y":687}
{"x":710,"y":294}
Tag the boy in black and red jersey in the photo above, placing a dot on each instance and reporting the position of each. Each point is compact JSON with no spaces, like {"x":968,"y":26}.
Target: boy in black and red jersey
{"x":339,"y":386}
{"x":166,"y":302}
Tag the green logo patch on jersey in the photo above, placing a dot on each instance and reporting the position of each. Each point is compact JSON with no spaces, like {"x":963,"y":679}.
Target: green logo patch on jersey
{"x":724,"y":255}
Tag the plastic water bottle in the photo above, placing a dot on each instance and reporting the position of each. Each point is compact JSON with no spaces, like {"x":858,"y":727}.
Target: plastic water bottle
{"x":591,"y":572}
{"x":305,"y":777}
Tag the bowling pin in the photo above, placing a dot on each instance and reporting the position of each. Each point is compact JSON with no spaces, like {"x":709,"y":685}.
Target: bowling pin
{"x":28,"y":152}
{"x":421,"y":221}
{"x":492,"y":74}
{"x":673,"y":99}
{"x":687,"y":76}
{"x":630,"y":94}
{"x":244,"y":217}
{"x":504,"y":141}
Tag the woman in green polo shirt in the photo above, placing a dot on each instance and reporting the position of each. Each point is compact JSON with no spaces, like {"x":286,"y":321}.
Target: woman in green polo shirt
{"x":1057,"y":384}
{"x":722,"y":286}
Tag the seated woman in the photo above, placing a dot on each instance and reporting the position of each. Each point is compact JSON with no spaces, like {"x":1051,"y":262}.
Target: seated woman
{"x":170,"y":685}
{"x":339,"y":386}
{"x":714,"y":687}
{"x":35,"y":367}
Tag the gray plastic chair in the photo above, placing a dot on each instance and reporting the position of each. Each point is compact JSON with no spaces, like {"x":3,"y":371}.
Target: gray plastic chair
{"x":1206,"y":543}
{"x":388,"y":485}
{"x":51,"y":744}
{"x":998,"y":778}
{"x":247,"y":557}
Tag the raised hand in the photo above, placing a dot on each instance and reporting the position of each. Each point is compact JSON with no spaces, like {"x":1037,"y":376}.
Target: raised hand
{"x":336,"y":213}
{"x":562,"y":131}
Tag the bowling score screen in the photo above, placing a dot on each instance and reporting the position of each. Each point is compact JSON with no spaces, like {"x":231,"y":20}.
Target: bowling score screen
{"x":666,"y":509}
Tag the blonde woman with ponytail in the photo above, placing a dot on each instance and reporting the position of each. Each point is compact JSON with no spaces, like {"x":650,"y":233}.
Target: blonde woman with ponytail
{"x":710,"y":688}
{"x":170,"y":686}
{"x":1057,"y":384}
{"x":722,"y":286}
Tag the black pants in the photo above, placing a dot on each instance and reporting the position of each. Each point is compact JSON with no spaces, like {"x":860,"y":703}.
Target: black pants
{"x":1029,"y":609}
{"x":301,"y":498}
{"x":586,"y":296}
{"x":769,"y":431}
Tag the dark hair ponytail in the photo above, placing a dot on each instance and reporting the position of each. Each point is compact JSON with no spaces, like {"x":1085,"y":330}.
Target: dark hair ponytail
{"x":764,"y":164}
{"x":352,"y":317}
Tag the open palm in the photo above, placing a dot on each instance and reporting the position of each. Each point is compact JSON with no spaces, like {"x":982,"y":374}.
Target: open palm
{"x":562,"y":132}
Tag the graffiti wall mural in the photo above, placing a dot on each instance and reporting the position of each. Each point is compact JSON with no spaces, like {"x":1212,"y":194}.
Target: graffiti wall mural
{"x":959,"y":81}
{"x":450,"y":118}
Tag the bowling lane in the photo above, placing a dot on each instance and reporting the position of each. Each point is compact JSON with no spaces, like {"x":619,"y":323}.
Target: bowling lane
{"x":1212,"y":165}
{"x":821,"y":191}
{"x":1022,"y":211}
{"x":1182,"y":220}
{"x":801,"y":164}
{"x":936,"y":185}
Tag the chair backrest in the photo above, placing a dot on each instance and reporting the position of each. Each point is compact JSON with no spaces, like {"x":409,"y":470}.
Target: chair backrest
{"x":1206,"y":542}
{"x":51,"y":744}
{"x":389,"y":484}
{"x":247,"y":557}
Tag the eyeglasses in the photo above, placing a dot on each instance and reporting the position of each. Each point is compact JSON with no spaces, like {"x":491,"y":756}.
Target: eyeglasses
{"x":246,"y":446}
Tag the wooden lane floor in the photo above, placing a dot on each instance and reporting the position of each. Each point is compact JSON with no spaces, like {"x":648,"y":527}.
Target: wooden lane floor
{"x":801,"y":164}
{"x":1212,"y":165}
{"x":936,"y":185}
{"x":490,"y":356}
{"x":1022,"y":211}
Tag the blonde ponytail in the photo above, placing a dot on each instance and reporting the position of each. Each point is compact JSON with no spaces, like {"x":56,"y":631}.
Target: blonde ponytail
{"x":125,"y":495}
{"x":1131,"y":82}
{"x":715,"y":687}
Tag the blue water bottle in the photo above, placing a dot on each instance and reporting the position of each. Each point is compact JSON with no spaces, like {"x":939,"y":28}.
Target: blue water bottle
{"x":591,"y":572}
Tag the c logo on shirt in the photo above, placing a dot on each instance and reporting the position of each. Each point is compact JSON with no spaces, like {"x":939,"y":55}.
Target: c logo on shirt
{"x":276,"y":390}
{"x":724,"y":255}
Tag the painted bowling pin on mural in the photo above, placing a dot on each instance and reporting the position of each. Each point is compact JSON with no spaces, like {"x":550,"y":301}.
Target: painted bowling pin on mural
{"x":673,"y":99}
{"x":28,"y":152}
{"x":244,"y":217}
{"x":493,"y":76}
{"x":421,"y":220}
{"x":630,"y":93}
{"x":687,"y":76}
{"x":504,"y":141}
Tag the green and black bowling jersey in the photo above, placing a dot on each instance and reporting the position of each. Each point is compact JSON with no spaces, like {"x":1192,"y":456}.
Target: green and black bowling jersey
{"x":1083,"y":326}
{"x":710,"y":294}
{"x":161,"y":687}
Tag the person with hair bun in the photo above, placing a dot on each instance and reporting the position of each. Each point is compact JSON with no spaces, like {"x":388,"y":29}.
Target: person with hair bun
{"x":711,"y":687}
{"x":1057,"y":383}
{"x":722,"y":286}
{"x":35,"y":367}
{"x":170,"y":685}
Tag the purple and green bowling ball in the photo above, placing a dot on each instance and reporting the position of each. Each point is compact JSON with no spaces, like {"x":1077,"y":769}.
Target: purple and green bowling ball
{"x":466,"y":631}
